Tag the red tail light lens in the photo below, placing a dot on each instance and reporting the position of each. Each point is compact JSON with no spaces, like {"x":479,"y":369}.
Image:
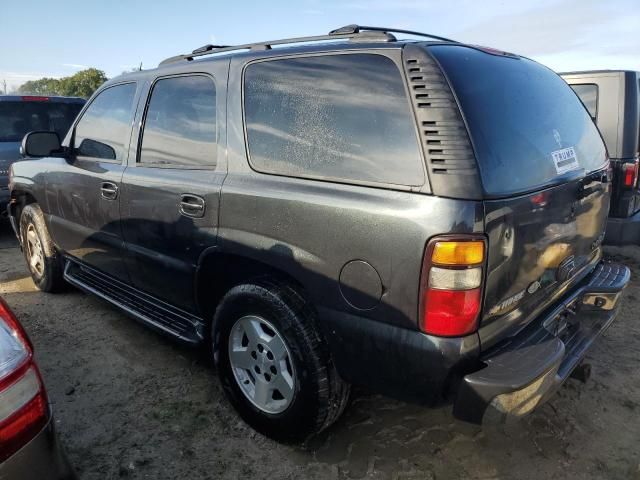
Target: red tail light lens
{"x":451,"y":290}
{"x":451,"y":313}
{"x":23,"y":401}
{"x":630,"y":171}
{"x":32,"y":98}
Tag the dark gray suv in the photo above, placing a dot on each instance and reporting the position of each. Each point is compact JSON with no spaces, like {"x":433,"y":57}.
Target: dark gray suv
{"x":421,"y":217}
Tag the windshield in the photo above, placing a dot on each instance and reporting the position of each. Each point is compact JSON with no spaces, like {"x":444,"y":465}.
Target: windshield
{"x":528,"y":128}
{"x":19,"y":118}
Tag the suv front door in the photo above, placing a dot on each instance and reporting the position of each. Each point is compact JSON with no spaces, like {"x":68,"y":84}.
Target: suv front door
{"x":171,"y":191}
{"x":84,"y":195}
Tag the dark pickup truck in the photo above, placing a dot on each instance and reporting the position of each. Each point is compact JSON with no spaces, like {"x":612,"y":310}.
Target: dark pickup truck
{"x":612,"y":98}
{"x":422,"y":217}
{"x":20,"y":114}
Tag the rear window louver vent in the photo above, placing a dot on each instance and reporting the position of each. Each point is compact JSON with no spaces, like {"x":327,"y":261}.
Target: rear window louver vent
{"x":444,"y":136}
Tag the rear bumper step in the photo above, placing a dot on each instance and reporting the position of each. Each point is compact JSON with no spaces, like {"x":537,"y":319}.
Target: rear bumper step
{"x":522,"y":373}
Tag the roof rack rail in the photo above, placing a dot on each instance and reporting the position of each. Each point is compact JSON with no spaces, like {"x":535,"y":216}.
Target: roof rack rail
{"x":349,"y":32}
{"x":352,"y":29}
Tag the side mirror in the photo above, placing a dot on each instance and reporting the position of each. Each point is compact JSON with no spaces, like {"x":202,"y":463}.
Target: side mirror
{"x":40,"y":144}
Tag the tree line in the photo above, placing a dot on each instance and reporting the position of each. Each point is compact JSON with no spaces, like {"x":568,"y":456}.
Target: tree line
{"x":80,"y":84}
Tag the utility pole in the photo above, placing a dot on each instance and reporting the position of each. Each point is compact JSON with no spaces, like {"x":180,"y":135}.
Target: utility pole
{"x":4,"y":86}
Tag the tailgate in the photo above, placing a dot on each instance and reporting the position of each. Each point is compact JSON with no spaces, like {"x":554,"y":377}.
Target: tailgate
{"x":545,"y":180}
{"x":539,"y":245}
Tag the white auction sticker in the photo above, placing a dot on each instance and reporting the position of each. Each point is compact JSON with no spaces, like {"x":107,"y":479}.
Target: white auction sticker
{"x":565,"y":160}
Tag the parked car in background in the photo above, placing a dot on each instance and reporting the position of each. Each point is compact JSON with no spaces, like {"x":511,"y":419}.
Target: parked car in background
{"x":29,"y":446}
{"x":612,"y":98}
{"x":322,"y":215}
{"x":28,"y":113}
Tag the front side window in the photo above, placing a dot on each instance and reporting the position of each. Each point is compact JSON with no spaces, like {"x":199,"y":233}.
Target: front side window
{"x":104,"y":128}
{"x":341,"y":117}
{"x":180,"y":125}
{"x":588,"y":93}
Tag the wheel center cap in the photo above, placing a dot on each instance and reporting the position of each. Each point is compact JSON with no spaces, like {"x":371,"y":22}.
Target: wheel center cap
{"x":263,"y":360}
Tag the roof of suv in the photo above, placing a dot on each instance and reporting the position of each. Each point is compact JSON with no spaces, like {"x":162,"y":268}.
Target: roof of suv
{"x":350,"y":32}
{"x":40,"y":98}
{"x":347,"y":37}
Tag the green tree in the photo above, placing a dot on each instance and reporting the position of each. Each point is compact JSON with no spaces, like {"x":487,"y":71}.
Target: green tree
{"x":80,"y":84}
{"x":44,"y":86}
{"x":83,"y":83}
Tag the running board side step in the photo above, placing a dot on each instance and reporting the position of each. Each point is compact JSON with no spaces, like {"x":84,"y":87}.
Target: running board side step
{"x":159,"y":315}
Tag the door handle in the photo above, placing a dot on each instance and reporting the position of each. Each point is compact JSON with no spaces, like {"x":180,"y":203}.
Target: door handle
{"x":192,"y":205}
{"x":109,"y":190}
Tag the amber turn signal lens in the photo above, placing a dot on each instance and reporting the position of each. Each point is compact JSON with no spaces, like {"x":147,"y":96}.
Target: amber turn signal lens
{"x":458,"y":253}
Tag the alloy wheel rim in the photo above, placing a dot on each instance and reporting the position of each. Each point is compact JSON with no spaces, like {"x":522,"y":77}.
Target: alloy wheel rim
{"x":35,"y":252}
{"x":261,"y":364}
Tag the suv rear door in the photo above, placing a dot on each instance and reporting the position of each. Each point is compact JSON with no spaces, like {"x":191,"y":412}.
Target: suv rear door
{"x":545,"y":178}
{"x":172,"y":186}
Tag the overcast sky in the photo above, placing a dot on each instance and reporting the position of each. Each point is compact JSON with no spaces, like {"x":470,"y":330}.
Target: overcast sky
{"x":46,"y":38}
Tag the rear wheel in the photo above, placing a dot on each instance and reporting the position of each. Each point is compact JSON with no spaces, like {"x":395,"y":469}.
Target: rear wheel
{"x":274,"y":366}
{"x":43,"y":260}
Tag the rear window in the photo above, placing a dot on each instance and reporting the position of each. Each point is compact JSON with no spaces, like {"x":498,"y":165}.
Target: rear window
{"x":341,"y":117}
{"x":528,"y":128}
{"x":19,"y":118}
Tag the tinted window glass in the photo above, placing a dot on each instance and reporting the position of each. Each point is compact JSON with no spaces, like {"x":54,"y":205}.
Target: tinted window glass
{"x":19,"y":118}
{"x":523,"y":120}
{"x":106,"y":123}
{"x":344,"y":117}
{"x":588,"y":93}
{"x":180,"y":127}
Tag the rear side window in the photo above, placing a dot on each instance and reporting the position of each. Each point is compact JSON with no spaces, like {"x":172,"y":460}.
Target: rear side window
{"x":588,"y":93}
{"x":180,"y":125}
{"x":19,"y":118}
{"x":340,"y":117}
{"x":104,"y":128}
{"x":528,"y":128}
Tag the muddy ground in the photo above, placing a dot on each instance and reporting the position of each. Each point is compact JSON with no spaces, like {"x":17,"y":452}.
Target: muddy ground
{"x":130,"y":403}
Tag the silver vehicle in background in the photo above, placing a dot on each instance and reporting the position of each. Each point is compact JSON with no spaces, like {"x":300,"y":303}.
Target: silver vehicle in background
{"x":612,"y":98}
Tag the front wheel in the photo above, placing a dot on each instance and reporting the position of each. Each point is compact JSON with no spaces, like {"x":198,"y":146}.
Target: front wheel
{"x":43,"y":260}
{"x":274,"y":366}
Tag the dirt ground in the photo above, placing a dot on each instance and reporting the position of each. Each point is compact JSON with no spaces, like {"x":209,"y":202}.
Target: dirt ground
{"x":130,"y":403}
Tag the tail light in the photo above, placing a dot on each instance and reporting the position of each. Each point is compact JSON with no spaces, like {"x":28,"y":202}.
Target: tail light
{"x":23,"y":401}
{"x":33,"y":98}
{"x":451,"y":286}
{"x":630,"y":174}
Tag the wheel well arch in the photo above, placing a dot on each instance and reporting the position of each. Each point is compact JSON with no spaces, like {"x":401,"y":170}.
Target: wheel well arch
{"x":218,"y":272}
{"x":19,"y":200}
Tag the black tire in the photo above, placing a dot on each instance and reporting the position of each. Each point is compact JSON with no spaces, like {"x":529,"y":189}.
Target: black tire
{"x":47,"y":274}
{"x":320,"y":395}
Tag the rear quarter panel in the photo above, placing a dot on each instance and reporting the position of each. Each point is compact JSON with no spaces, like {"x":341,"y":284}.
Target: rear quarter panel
{"x":311,"y":229}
